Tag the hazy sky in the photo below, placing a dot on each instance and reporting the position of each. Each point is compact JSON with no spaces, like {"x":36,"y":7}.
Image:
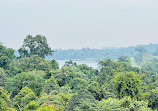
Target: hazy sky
{"x":80,"y":23}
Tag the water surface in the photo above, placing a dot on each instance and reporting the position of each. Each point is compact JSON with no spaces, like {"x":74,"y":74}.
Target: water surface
{"x":92,"y":64}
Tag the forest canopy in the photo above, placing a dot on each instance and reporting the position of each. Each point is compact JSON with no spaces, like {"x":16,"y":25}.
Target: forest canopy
{"x":32,"y":83}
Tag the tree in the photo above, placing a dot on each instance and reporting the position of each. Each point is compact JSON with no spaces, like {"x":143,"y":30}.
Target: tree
{"x":123,"y":59}
{"x":125,"y":104}
{"x":61,"y":79}
{"x":35,"y":46}
{"x":89,"y":71}
{"x":46,"y":65}
{"x":50,"y":85}
{"x":78,"y":84}
{"x":31,"y":79}
{"x":24,"y":97}
{"x":4,"y":62}
{"x":153,"y":99}
{"x":29,"y":63}
{"x":142,"y":55}
{"x":131,"y":104}
{"x":83,"y":101}
{"x":151,"y":65}
{"x":95,"y":90}
{"x":126,"y":84}
{"x":49,"y":108}
{"x":60,"y":100}
{"x":138,"y":58}
{"x":3,"y":78}
{"x":140,"y":49}
{"x":70,"y":63}
{"x":5,"y":102}
{"x":109,"y":105}
{"x":6,"y":56}
{"x":4,"y":95}
{"x":156,"y":52}
{"x":70,"y":73}
{"x":32,"y":106}
{"x":55,"y":64}
{"x":64,"y":98}
{"x":3,"y":105}
{"x":9,"y":52}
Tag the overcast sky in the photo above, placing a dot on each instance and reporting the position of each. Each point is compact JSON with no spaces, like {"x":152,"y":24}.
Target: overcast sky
{"x":80,"y":23}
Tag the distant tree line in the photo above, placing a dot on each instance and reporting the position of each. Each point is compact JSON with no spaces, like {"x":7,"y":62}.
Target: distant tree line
{"x":101,"y":54}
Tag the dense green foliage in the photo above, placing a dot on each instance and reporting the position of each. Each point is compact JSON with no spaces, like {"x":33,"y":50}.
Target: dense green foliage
{"x":32,"y":83}
{"x":35,"y":46}
{"x":127,"y":84}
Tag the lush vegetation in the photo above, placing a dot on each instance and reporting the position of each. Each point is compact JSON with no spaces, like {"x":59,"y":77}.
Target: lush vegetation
{"x":32,"y":83}
{"x":100,"y":54}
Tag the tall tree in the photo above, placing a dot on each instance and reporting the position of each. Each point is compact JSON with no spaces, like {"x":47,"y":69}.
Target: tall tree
{"x":35,"y":46}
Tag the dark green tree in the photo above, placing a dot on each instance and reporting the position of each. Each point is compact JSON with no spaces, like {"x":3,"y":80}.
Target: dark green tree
{"x":35,"y":46}
{"x":153,"y":99}
{"x":70,"y":63}
{"x":4,"y":62}
{"x":50,"y":85}
{"x":55,"y":64}
{"x":78,"y":84}
{"x":127,"y":84}
{"x":95,"y":90}
{"x":89,"y":71}
{"x":9,"y":52}
{"x":3,"y":78}
{"x":6,"y":56}
{"x":123,"y":59}
{"x":83,"y":101}
{"x":46,"y":65}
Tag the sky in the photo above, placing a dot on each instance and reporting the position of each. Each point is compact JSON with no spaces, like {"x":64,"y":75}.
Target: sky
{"x":77,"y":24}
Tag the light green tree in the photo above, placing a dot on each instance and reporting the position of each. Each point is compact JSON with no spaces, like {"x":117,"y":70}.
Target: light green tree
{"x":25,"y":96}
{"x":32,"y":106}
{"x":5,"y":102}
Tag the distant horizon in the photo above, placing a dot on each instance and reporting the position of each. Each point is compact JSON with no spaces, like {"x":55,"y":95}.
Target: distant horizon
{"x":107,"y":47}
{"x":111,"y":47}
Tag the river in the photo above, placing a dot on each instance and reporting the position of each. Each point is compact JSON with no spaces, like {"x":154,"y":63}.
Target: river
{"x":92,"y":64}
